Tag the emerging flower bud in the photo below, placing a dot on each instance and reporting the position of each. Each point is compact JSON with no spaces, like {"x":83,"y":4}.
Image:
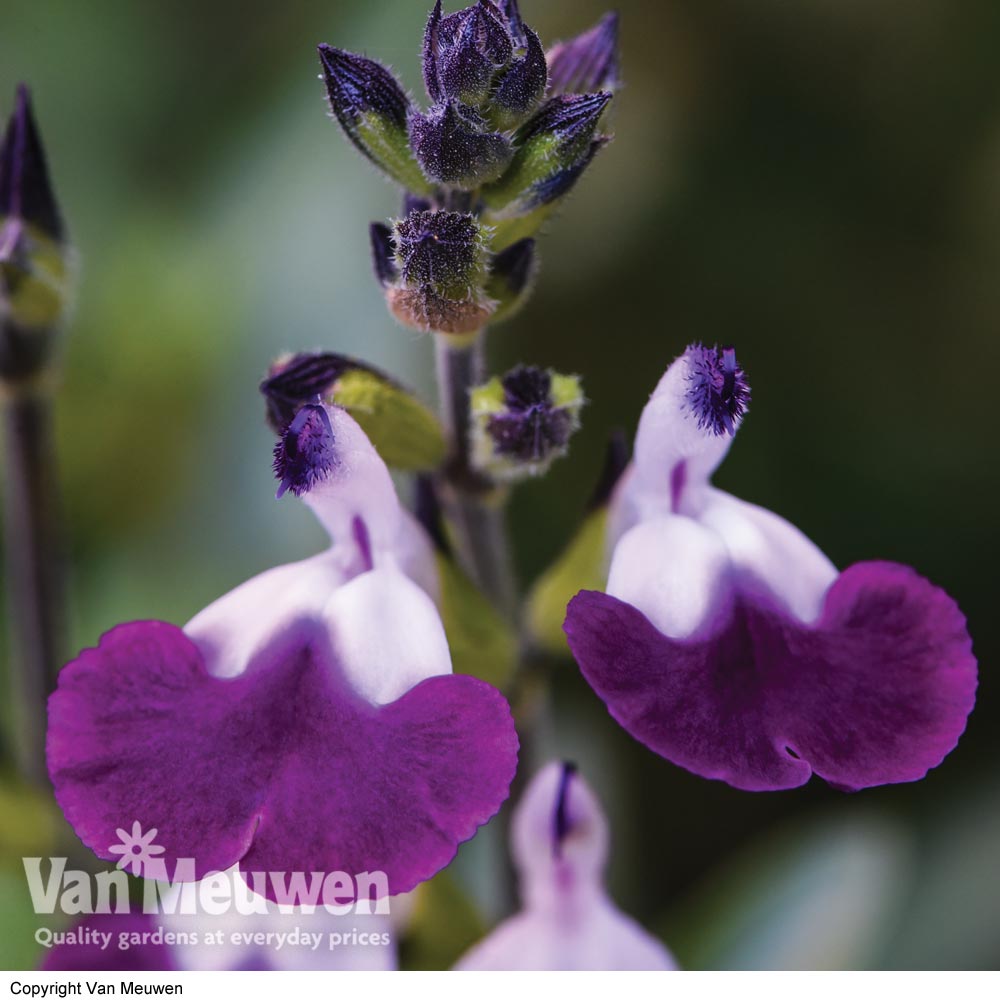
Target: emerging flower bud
{"x":554,"y":149}
{"x":383,"y":255}
{"x":521,"y":88}
{"x":512,"y":273}
{"x":441,"y":260}
{"x":34,"y":265}
{"x":522,"y":422}
{"x":373,"y":111}
{"x":463,"y":52}
{"x":588,"y":62}
{"x":404,"y":430}
{"x":453,"y":146}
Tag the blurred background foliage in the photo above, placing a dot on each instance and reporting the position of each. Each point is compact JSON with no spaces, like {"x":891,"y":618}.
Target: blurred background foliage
{"x":816,"y":182}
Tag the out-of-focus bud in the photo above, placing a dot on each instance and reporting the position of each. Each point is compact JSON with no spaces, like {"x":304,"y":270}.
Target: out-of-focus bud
{"x":588,"y":62}
{"x":523,"y":421}
{"x":512,"y":272}
{"x":442,"y":265}
{"x":373,"y":110}
{"x":402,"y":428}
{"x":34,"y":256}
{"x":554,"y":149}
{"x":453,"y":146}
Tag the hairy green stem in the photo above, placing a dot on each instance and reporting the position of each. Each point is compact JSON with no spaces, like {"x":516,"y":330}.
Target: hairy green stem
{"x":472,"y":504}
{"x":35,"y":586}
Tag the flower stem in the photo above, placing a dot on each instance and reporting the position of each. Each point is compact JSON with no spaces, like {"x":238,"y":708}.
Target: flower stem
{"x":473,"y":505}
{"x":34,"y":569}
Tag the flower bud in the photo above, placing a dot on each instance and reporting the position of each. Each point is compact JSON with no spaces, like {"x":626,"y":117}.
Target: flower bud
{"x":441,"y":261}
{"x":519,"y":91}
{"x":554,"y":149}
{"x":588,"y":62}
{"x":463,"y":51}
{"x":34,"y":257}
{"x":523,"y":421}
{"x":373,"y":111}
{"x":512,"y":273}
{"x":404,"y":431}
{"x":453,"y":146}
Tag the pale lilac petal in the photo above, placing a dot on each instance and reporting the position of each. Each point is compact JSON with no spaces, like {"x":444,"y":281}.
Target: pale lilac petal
{"x":559,"y":835}
{"x":876,"y":692}
{"x":559,"y":840}
{"x":601,"y":938}
{"x":359,"y":488}
{"x":676,"y":572}
{"x":283,"y":768}
{"x":386,"y":635}
{"x":771,"y":557}
{"x":232,"y":630}
{"x":671,"y":442}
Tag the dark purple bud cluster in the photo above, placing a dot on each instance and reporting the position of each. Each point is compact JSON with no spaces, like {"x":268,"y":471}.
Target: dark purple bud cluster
{"x":489,"y":147}
{"x":524,"y":420}
{"x":719,"y":393}
{"x":305,"y":453}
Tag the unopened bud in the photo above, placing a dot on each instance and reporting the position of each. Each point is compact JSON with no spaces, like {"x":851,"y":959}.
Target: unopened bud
{"x":523,"y":421}
{"x":34,"y":257}
{"x":373,"y":111}
{"x":588,"y":62}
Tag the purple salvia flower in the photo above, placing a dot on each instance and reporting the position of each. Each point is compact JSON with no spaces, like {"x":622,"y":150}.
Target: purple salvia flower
{"x":330,"y":673}
{"x":588,"y":62}
{"x":25,"y":189}
{"x":559,"y":840}
{"x":729,"y":644}
{"x":453,"y":146}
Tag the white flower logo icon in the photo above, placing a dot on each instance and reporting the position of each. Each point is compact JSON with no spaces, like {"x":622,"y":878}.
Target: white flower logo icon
{"x":136,"y":848}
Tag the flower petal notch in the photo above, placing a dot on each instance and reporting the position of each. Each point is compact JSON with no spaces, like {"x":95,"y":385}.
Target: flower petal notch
{"x":730,"y":645}
{"x":522,"y":422}
{"x":559,"y":841}
{"x":332,"y":674}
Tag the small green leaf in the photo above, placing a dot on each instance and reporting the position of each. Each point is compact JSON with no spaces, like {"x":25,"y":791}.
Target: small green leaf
{"x":481,"y":642}
{"x":405,"y":432}
{"x":581,"y":566}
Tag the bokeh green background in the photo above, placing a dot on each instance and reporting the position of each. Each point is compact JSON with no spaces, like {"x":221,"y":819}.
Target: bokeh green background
{"x":816,"y":182}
